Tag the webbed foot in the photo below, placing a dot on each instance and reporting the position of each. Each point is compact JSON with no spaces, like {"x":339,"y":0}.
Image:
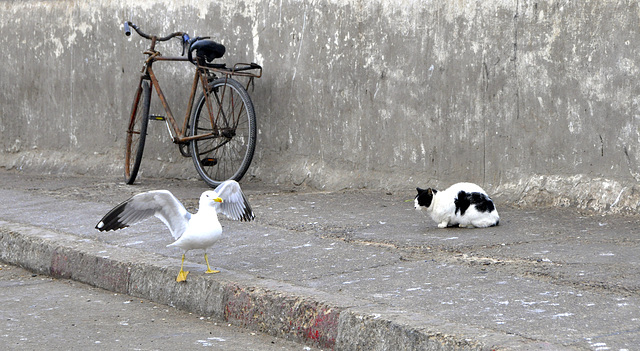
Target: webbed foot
{"x":209,"y":270}
{"x":182,"y":276}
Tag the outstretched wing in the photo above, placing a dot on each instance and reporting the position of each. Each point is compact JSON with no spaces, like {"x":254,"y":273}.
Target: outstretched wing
{"x":159,"y":203}
{"x":235,"y":204}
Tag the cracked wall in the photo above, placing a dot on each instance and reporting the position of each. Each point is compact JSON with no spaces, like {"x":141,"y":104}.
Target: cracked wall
{"x":374,"y":94}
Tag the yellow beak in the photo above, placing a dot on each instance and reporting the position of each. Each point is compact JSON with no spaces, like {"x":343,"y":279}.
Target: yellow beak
{"x":217,"y":199}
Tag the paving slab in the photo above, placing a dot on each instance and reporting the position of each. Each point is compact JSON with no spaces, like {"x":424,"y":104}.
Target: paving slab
{"x":348,"y":270}
{"x":39,"y":312}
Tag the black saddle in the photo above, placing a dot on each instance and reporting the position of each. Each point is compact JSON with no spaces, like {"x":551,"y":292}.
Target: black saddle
{"x":207,"y":50}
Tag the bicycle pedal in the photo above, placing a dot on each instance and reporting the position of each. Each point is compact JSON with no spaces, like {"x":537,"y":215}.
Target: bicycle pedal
{"x":209,"y":162}
{"x":156,"y":118}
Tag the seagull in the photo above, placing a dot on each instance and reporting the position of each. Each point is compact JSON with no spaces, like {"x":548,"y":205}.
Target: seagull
{"x":191,"y":231}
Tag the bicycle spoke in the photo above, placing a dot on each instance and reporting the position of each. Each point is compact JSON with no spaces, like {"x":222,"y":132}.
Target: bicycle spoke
{"x":227,"y":154}
{"x":203,"y":151}
{"x":220,"y":109}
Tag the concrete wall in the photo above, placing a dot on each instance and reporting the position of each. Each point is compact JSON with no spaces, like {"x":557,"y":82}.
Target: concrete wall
{"x":535,"y":100}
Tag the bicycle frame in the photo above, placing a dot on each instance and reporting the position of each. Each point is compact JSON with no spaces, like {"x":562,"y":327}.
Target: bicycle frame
{"x":201,"y":76}
{"x":178,"y":134}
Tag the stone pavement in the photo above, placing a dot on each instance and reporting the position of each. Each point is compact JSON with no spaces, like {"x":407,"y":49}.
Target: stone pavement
{"x":43,"y":313}
{"x":348,"y":270}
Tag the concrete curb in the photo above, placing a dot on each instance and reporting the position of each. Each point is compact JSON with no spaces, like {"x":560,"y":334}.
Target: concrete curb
{"x":276,"y":308}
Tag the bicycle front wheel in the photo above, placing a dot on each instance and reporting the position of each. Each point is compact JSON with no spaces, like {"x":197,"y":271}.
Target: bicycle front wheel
{"x":226,"y":121}
{"x":137,"y":132}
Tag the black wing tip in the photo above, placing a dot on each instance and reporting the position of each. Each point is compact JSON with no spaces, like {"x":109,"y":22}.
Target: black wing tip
{"x":248,"y":215}
{"x":111,"y":221}
{"x":110,"y":226}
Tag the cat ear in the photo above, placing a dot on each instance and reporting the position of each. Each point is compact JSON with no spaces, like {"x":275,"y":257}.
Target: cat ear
{"x":430,"y":191}
{"x":419,"y":190}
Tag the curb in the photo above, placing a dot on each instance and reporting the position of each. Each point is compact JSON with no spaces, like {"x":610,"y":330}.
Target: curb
{"x":275,"y":308}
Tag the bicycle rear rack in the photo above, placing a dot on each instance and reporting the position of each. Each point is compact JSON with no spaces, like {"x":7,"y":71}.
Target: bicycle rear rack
{"x":246,"y":70}
{"x":250,"y":70}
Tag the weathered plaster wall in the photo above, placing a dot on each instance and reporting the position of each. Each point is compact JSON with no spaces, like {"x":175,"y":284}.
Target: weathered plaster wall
{"x":535,"y":100}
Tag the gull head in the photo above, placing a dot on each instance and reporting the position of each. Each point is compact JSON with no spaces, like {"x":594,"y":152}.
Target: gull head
{"x":210,"y":198}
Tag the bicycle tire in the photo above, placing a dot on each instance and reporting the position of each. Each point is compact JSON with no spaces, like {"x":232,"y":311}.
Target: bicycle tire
{"x":137,"y":133}
{"x":229,"y":152}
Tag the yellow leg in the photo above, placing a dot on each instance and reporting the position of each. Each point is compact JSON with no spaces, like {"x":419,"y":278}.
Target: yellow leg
{"x":209,"y":270}
{"x":182,"y":275}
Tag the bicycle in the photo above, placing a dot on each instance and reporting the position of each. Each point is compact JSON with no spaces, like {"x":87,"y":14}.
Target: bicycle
{"x":219,"y":128}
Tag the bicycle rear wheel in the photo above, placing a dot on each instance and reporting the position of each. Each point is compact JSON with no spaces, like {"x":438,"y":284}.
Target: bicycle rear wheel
{"x":227,"y":152}
{"x":137,"y":133}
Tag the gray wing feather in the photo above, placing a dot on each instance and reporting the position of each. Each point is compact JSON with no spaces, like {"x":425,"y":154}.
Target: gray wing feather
{"x":235,"y":205}
{"x":159,"y":203}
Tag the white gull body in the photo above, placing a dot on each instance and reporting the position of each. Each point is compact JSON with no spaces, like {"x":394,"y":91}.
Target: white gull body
{"x":191,"y":231}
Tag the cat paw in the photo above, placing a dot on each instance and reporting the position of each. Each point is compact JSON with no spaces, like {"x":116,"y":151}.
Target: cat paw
{"x":443,"y":225}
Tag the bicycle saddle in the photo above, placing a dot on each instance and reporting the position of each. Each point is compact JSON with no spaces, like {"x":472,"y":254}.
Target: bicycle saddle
{"x":207,"y":50}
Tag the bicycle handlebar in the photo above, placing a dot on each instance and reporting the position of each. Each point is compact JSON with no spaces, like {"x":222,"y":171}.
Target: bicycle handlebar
{"x":212,"y":49}
{"x":127,"y":32}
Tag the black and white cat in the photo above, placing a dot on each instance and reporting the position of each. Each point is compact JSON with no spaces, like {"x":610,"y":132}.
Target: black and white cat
{"x":462,"y":204}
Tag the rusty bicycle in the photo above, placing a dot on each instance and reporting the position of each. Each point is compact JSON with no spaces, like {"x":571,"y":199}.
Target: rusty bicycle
{"x":219,"y":127}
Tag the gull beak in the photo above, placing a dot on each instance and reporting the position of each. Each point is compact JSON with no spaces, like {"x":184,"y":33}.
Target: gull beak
{"x":217,"y":199}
